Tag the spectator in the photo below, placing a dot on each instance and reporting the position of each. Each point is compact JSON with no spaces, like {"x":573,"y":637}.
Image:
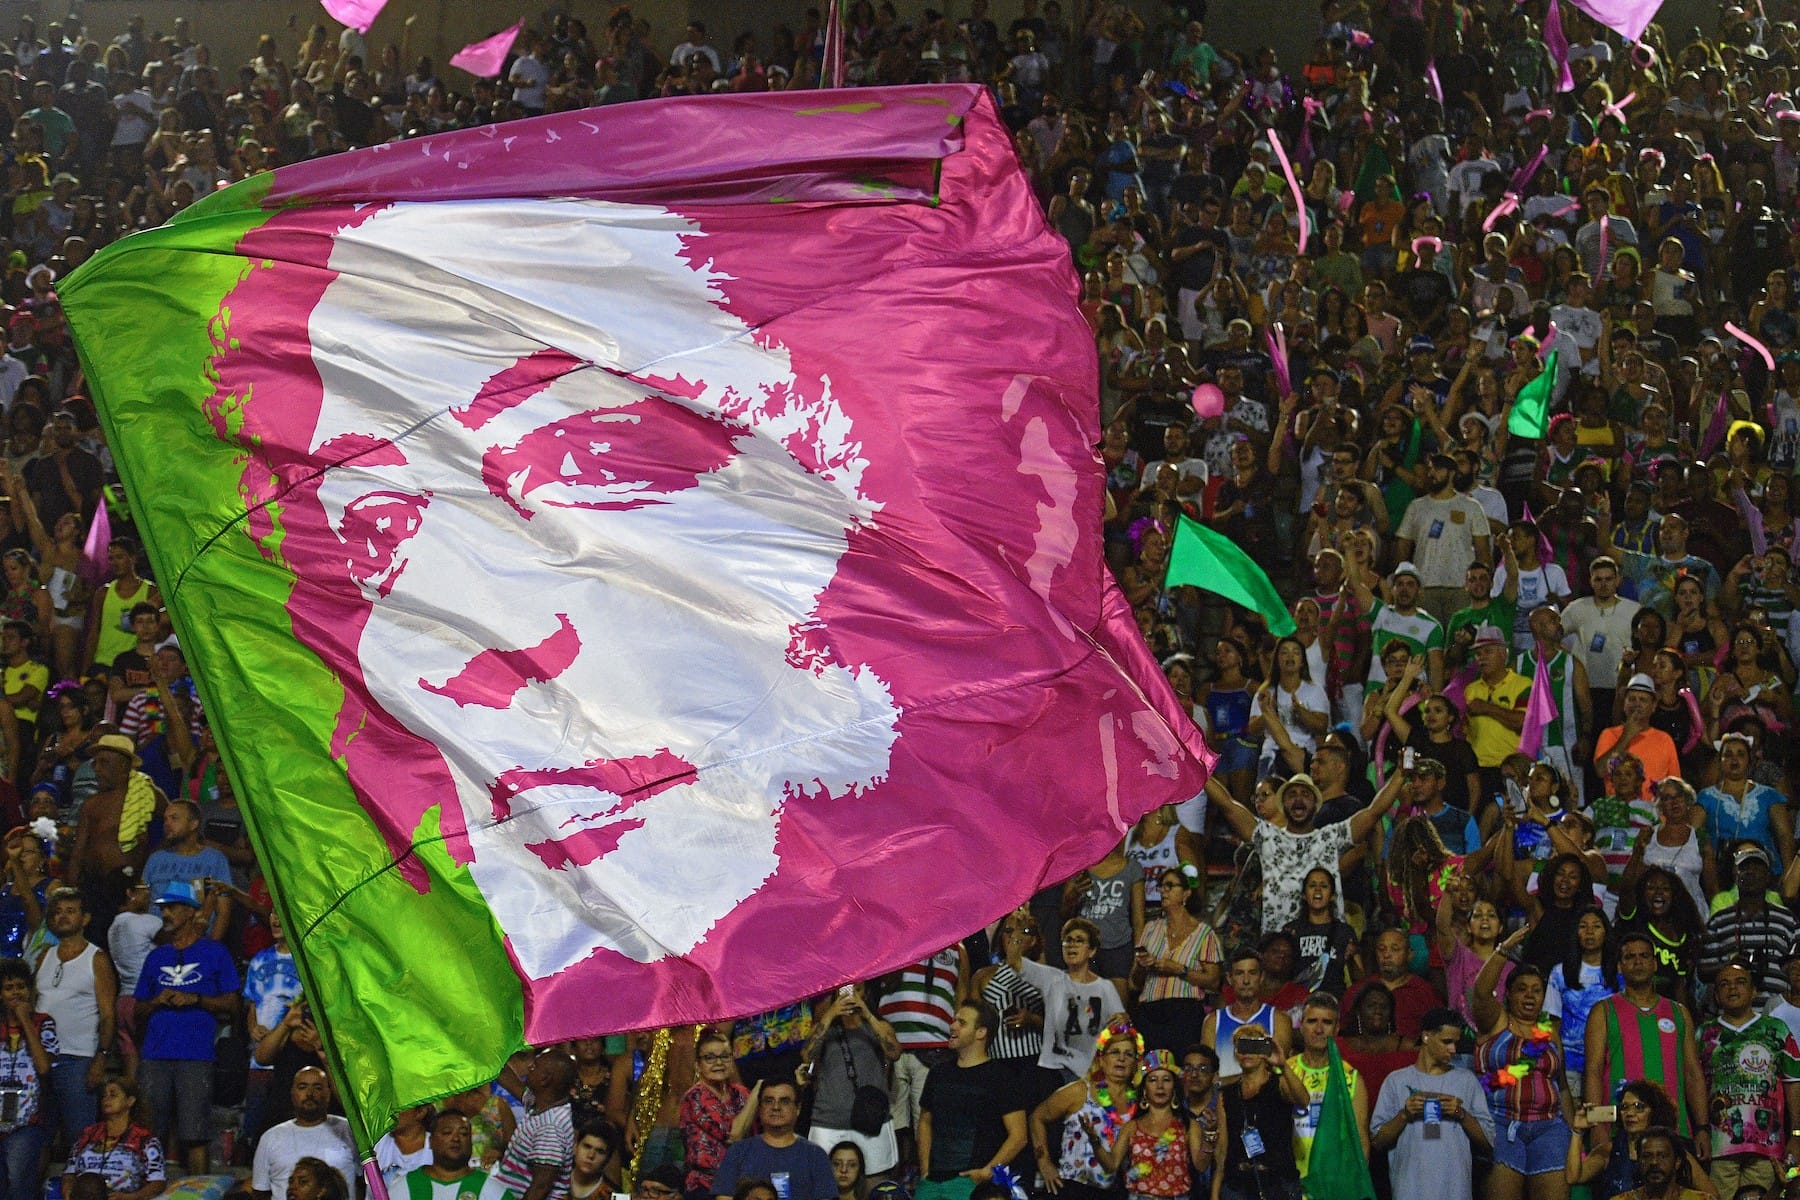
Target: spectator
{"x":1249,"y":1009}
{"x":541,"y":1154}
{"x":314,"y":1133}
{"x":187,"y":985}
{"x":850,"y":1050}
{"x":1753,"y":1070}
{"x":709,"y":1111}
{"x":124,"y":1153}
{"x":1414,"y":996}
{"x":1645,"y":1027}
{"x":776,"y":1150}
{"x":1255,"y":1157}
{"x":1755,"y":930}
{"x":30,"y":1045}
{"x":969,"y":1119}
{"x":1432,"y":1117}
{"x":77,"y":988}
{"x":449,"y":1175}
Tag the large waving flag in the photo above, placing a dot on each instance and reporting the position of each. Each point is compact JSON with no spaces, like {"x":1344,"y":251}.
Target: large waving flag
{"x":643,"y":564}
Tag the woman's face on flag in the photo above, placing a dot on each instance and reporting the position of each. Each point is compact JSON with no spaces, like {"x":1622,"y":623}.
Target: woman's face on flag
{"x":592,"y":563}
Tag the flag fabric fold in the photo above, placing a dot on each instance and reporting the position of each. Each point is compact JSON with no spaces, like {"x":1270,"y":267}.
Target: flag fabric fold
{"x":1339,"y":1170}
{"x":616,"y":576}
{"x":1628,"y":17}
{"x":485,"y":58}
{"x":1540,"y":710}
{"x":357,"y":14}
{"x":1530,"y":415}
{"x":1204,"y":558}
{"x":94,"y":567}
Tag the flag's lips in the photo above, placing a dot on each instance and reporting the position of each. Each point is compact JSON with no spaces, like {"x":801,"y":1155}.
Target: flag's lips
{"x":632,"y":779}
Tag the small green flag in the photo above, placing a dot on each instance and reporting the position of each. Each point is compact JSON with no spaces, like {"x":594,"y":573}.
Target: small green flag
{"x":1531,"y":407}
{"x":1337,"y":1168}
{"x":1212,"y":562}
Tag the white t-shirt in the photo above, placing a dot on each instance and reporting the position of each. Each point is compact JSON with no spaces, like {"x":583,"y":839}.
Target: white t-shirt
{"x":394,"y":1165}
{"x":1600,"y":637}
{"x":529,"y":78}
{"x":1074,"y":1015}
{"x":288,"y":1143}
{"x":129,"y":940}
{"x":1537,"y":587}
{"x":1309,"y":696}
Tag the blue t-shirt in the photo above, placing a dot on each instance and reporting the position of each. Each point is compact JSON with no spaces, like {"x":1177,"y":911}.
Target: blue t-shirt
{"x":801,"y":1171}
{"x":165,"y":867}
{"x":271,"y":985}
{"x":205,"y":969}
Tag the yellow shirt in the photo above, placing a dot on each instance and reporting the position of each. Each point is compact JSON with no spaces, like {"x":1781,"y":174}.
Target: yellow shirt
{"x":1491,"y":740}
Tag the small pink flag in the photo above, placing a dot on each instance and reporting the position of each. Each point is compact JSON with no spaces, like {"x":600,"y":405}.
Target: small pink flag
{"x":1761,"y":350}
{"x":93,"y":551}
{"x":1540,"y":710}
{"x":484,"y":59}
{"x":1543,"y":545}
{"x":357,"y":14}
{"x":1431,"y":80}
{"x":1556,"y":41}
{"x":1716,"y":426}
{"x":1507,"y":204}
{"x":1287,"y":168}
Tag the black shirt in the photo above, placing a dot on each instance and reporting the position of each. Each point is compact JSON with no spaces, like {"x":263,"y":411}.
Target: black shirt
{"x":968,"y":1107}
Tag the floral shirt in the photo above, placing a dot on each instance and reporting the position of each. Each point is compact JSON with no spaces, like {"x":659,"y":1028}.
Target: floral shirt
{"x":706,"y":1128}
{"x":17,"y":1068}
{"x":126,"y":1165}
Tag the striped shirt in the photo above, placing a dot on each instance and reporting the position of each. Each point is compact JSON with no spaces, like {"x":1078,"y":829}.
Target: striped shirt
{"x":1644,"y":1044}
{"x":1201,"y":945}
{"x":1759,"y":940}
{"x":1533,"y":1098}
{"x":1006,"y":990}
{"x":922,"y":1004}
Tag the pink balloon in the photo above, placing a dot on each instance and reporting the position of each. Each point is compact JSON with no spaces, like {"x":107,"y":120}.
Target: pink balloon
{"x":1209,"y":401}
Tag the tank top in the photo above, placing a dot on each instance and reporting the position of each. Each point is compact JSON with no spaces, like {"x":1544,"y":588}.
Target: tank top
{"x":1306,"y":1120}
{"x":1645,"y":1045}
{"x":1159,"y":1162}
{"x":1153,"y":861}
{"x":1078,"y":1162}
{"x":1683,"y":862}
{"x":1107,"y":903}
{"x":115,"y":634}
{"x":1228,"y":711}
{"x":1228,"y":1025}
{"x":66,"y":993}
{"x":1006,"y":989}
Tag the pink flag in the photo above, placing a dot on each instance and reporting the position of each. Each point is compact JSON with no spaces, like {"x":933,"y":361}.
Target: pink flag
{"x":831,"y":69}
{"x":1762,"y":351}
{"x":484,"y":59}
{"x":1556,"y":41}
{"x":1540,"y":710}
{"x":777,"y":406}
{"x":1431,"y":81}
{"x":94,"y":569}
{"x":1716,"y":426}
{"x":1507,"y":204}
{"x":1543,"y":545}
{"x":1629,"y":17}
{"x":357,"y":14}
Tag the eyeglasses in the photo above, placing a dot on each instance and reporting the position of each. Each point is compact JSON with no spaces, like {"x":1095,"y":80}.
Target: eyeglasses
{"x":656,"y":1191}
{"x":1634,"y":1106}
{"x":715,"y":1058}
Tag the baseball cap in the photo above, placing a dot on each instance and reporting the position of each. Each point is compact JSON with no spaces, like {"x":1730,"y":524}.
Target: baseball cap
{"x":179,"y":892}
{"x":1488,"y":635}
{"x":1641,"y":683}
{"x":1747,"y":853}
{"x":1405,"y":568}
{"x":1421,"y":345}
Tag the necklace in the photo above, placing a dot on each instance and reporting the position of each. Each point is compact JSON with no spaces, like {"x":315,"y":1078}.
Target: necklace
{"x":1532,"y":1049}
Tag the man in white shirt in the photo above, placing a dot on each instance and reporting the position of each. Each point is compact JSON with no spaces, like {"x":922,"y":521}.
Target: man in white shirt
{"x":1578,"y":329}
{"x":530,"y":76}
{"x":1442,"y":532}
{"x":1600,"y":625}
{"x":1192,"y":471}
{"x":695,"y":44}
{"x":313,"y":1133}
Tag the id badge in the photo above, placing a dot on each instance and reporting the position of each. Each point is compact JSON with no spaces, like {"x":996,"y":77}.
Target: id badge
{"x":783,"y":1184}
{"x":1434,"y":1120}
{"x":1437,"y":529}
{"x":1253,"y":1144}
{"x":1597,"y":644}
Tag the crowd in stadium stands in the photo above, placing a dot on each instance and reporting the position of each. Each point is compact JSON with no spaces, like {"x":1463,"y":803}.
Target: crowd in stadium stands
{"x":1553,"y":945}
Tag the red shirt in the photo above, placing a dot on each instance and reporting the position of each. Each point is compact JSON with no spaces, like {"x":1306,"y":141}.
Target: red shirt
{"x":1412,"y":1000}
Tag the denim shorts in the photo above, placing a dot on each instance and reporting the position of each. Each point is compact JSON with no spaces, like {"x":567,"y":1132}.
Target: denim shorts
{"x":1531,"y":1147}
